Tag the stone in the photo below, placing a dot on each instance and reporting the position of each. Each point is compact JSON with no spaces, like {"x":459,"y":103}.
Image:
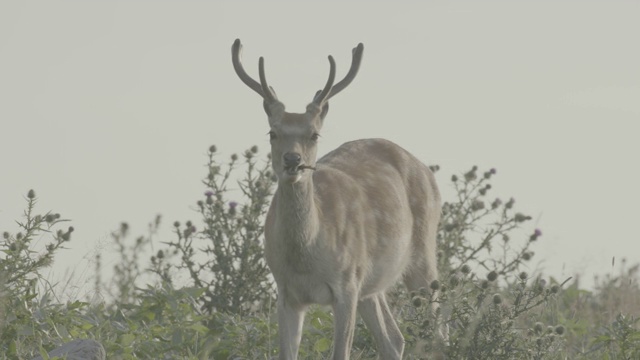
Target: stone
{"x":79,"y":349}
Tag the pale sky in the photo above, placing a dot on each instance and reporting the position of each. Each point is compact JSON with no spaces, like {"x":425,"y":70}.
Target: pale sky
{"x":107,"y":108}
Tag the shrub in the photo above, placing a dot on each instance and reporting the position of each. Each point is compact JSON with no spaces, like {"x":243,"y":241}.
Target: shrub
{"x":228,"y":259}
{"x":475,"y":231}
{"x":30,"y":313}
{"x":487,"y":316}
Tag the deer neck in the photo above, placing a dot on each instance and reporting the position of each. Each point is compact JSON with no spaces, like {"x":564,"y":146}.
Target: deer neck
{"x":297,"y":215}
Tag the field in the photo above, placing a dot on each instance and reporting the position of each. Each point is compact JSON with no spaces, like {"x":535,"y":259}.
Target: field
{"x":495,"y":304}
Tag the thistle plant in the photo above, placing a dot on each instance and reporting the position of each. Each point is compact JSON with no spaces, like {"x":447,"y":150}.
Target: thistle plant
{"x":28,"y":306}
{"x":485,"y":298}
{"x":484,"y":319}
{"x":22,"y":264}
{"x":226,"y":258}
{"x":129,"y":268}
{"x":476,"y":230}
{"x":620,"y":340}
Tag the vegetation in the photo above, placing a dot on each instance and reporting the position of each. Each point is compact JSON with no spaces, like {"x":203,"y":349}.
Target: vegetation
{"x":494,"y":305}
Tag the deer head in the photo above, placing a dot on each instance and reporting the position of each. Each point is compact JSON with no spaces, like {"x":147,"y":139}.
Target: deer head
{"x":294,"y":136}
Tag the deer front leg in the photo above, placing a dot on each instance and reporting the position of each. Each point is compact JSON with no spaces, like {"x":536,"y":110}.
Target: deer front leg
{"x":344,"y":310}
{"x":290,"y":320}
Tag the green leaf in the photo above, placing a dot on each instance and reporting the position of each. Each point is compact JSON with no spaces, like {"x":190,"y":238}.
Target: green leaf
{"x":199,"y":328}
{"x":12,"y":348}
{"x":316,"y":322}
{"x":322,"y":345}
{"x":127,"y":339}
{"x":195,"y":292}
{"x":148,"y":315}
{"x":62,"y":331}
{"x":76,"y":305}
{"x":43,"y":353}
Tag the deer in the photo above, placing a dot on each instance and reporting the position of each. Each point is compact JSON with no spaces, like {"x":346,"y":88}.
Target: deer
{"x":342,"y":229}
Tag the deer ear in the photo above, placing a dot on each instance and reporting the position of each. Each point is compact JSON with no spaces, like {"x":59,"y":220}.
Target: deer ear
{"x":325,"y":106}
{"x":275,"y":111}
{"x":325,"y":110}
{"x":265,"y":105}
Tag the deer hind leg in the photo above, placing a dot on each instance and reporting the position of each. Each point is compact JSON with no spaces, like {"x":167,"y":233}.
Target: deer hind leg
{"x":376,"y":314}
{"x":423,"y":271}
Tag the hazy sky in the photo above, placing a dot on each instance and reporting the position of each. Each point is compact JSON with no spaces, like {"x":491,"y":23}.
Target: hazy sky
{"x":107,"y":108}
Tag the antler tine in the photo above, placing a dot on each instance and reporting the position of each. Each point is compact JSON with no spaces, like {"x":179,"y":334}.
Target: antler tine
{"x":353,"y":71}
{"x":267,"y":92}
{"x":322,"y":96}
{"x":236,"y":50}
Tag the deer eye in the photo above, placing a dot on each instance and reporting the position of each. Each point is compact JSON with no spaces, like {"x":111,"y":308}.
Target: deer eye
{"x":315,"y":136}
{"x":272,"y":135}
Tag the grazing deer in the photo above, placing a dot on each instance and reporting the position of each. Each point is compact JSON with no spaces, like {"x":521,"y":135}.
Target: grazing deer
{"x":343,"y":229}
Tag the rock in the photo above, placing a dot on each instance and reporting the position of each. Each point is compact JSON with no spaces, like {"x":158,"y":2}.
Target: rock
{"x":79,"y":349}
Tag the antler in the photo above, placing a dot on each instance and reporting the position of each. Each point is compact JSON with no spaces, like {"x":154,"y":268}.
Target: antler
{"x":330,"y":90}
{"x":323,"y":95}
{"x":262,"y":88}
{"x":268,"y":94}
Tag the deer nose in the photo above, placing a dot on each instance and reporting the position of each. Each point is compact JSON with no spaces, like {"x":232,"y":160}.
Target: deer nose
{"x":291,"y":159}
